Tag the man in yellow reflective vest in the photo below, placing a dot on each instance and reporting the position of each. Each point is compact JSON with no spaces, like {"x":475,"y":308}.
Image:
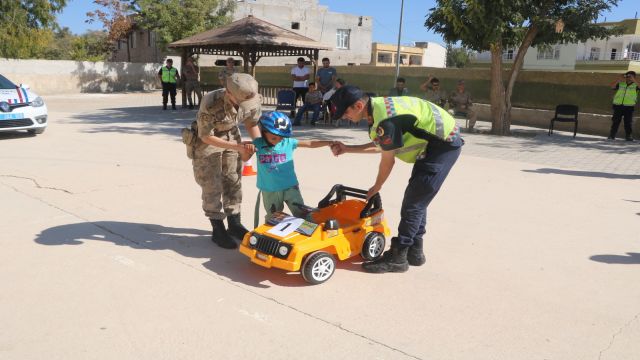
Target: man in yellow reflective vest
{"x":168,"y":77}
{"x":624,"y":101}
{"x":412,"y":130}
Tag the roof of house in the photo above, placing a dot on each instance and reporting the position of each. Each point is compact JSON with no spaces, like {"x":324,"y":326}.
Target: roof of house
{"x":249,"y":31}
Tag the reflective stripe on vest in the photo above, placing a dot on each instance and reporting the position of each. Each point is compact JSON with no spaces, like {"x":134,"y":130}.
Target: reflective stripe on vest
{"x":429,"y":118}
{"x":626,"y":95}
{"x":169,"y":75}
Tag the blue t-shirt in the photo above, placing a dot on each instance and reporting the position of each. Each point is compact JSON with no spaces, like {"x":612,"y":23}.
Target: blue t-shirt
{"x":275,"y":164}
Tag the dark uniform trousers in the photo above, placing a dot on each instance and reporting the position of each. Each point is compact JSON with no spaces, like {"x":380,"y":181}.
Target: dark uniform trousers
{"x":168,"y":89}
{"x":620,"y":112}
{"x":427,"y":177}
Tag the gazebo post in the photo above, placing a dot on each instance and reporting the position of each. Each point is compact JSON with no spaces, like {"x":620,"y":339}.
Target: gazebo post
{"x":253,"y":60}
{"x":316,"y":54}
{"x":183,"y":60}
{"x":245,"y":59}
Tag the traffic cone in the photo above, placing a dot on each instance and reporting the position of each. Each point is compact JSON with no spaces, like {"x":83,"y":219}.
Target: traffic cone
{"x":248,"y":170}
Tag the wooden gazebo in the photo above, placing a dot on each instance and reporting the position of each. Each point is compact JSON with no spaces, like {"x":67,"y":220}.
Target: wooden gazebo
{"x":251,"y":39}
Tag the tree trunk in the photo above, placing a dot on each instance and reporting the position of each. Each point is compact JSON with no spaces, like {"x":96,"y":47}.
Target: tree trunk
{"x":128,"y":50}
{"x":497,"y":90}
{"x":513,"y":75}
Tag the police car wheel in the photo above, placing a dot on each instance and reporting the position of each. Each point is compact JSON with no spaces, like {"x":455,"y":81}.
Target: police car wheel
{"x":318,"y":267}
{"x":373,"y":246}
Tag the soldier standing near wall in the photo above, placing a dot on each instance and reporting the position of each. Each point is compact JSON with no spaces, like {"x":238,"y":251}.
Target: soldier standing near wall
{"x":190,"y":75}
{"x":219,"y":153}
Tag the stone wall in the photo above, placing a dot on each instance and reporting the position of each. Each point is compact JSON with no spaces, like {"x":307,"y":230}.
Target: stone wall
{"x":62,"y":76}
{"x":534,"y":99}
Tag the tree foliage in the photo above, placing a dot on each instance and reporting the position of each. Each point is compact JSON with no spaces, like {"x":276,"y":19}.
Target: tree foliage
{"x":494,"y":25}
{"x":117,"y":18}
{"x":173,"y":20}
{"x":458,"y":57}
{"x":90,"y":46}
{"x":26,"y":26}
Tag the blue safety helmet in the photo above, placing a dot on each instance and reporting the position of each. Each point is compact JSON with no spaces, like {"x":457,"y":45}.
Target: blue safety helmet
{"x":276,"y":123}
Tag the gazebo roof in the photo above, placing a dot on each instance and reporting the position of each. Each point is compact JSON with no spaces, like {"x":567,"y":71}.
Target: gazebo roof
{"x":249,"y":32}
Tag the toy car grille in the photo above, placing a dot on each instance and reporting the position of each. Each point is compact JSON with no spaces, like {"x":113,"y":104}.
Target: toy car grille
{"x":15,"y":123}
{"x":267,"y":245}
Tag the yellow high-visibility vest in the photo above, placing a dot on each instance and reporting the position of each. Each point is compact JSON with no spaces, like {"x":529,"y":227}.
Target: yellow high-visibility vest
{"x":429,"y":117}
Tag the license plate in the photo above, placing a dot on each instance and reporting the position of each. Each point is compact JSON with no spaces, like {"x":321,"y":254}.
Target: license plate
{"x":262,"y":257}
{"x":11,"y":116}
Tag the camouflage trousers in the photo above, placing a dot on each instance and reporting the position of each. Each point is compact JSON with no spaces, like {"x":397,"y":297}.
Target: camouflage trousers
{"x":219,"y":176}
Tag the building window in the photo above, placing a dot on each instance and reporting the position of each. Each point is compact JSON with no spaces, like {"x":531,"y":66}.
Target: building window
{"x":149,"y":42}
{"x":549,"y":53}
{"x":343,"y":38}
{"x":384,"y":58}
{"x":295,"y":25}
{"x":415,"y":60}
{"x":508,"y":54}
{"x":132,"y":40}
{"x":594,"y":54}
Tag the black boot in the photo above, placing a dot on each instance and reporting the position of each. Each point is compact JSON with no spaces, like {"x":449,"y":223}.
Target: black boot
{"x":164,"y":106}
{"x":219,"y":235}
{"x":415,"y":256}
{"x":394,"y":261}
{"x":173,"y":106}
{"x":235,"y":227}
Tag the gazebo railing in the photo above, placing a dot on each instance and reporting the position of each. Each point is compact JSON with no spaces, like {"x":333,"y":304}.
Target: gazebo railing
{"x":269,"y":93}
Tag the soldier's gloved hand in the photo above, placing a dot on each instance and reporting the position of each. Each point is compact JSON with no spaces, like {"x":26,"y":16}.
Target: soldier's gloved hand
{"x":249,"y":148}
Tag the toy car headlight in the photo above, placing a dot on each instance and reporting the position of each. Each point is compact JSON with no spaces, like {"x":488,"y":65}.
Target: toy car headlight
{"x":253,"y":240}
{"x":283,"y":250}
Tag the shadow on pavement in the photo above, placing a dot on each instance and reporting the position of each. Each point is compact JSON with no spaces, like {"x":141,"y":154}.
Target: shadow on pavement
{"x":629,"y":259}
{"x":536,"y":140}
{"x":144,"y":120}
{"x":583,"y":173}
{"x":152,"y":120}
{"x":187,"y":242}
{"x":193,"y":243}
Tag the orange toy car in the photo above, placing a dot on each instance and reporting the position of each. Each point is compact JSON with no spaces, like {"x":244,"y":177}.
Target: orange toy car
{"x":341,"y":228}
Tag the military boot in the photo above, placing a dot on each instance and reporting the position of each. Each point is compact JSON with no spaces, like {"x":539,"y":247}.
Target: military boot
{"x":415,"y":256}
{"x":394,"y":261}
{"x":219,"y":235}
{"x":235,"y":227}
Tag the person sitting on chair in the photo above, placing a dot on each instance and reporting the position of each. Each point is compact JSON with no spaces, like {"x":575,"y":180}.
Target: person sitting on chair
{"x":312,"y":101}
{"x":400,"y":89}
{"x":461,"y":104}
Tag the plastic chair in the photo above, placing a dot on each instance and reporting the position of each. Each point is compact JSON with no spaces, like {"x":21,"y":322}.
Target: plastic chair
{"x":565,"y":113}
{"x":286,"y":100}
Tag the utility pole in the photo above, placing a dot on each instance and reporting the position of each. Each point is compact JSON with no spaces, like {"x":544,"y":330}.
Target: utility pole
{"x":398,"y":50}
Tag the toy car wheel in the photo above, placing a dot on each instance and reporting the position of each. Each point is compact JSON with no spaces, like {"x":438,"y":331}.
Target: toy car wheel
{"x":373,"y":246}
{"x":318,"y":267}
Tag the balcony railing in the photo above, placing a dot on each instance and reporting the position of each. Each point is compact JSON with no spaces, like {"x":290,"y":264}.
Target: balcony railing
{"x":613,"y":56}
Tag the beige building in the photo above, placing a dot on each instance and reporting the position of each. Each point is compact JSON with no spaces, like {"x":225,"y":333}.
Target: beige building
{"x":616,"y":54}
{"x":423,"y":54}
{"x":347,"y":36}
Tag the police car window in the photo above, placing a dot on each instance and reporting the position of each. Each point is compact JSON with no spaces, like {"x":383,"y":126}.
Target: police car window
{"x":5,"y":83}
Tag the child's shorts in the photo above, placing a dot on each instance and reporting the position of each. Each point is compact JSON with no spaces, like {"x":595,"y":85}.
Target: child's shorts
{"x":274,"y":201}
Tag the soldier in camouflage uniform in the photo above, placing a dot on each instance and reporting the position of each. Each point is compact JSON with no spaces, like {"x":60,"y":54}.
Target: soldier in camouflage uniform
{"x":219,"y":153}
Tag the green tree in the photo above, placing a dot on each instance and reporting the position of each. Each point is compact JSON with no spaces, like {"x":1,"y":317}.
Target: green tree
{"x":117,"y":18}
{"x":173,"y":20}
{"x":26,"y":26}
{"x":496,"y":25}
{"x":457,"y":57}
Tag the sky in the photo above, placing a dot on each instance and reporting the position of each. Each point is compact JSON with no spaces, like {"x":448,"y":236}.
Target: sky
{"x":385,"y":13}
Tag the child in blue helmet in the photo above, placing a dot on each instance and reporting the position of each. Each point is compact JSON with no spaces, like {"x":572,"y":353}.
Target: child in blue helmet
{"x":276,"y":175}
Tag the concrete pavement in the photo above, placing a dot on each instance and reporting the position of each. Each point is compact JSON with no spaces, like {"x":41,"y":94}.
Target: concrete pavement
{"x":533,"y":250}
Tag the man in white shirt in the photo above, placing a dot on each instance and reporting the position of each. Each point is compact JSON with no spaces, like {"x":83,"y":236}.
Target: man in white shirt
{"x":300,"y":76}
